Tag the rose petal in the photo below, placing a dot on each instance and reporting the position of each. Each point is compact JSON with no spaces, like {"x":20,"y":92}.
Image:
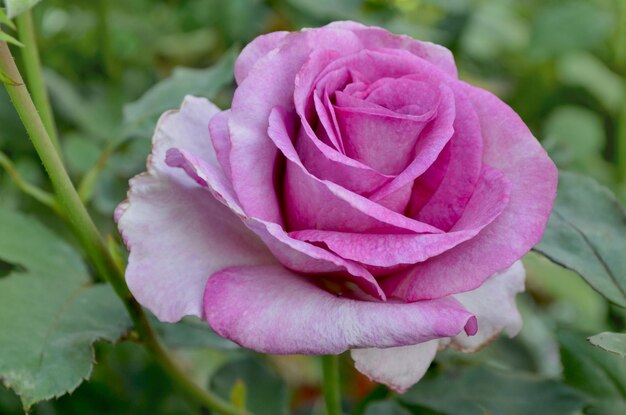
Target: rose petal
{"x":430,"y":144}
{"x":376,"y":37}
{"x":511,"y":148}
{"x":397,"y":367}
{"x":493,"y":303}
{"x":387,"y":250}
{"x":253,"y":101}
{"x":293,"y":254}
{"x":176,"y":232}
{"x":254,"y":51}
{"x":218,"y":127}
{"x":462,"y":165}
{"x":387,"y":143}
{"x":315,"y":204}
{"x":273,"y":310}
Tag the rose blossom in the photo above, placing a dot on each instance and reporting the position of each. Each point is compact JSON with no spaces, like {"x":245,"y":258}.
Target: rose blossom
{"x":357,"y":195}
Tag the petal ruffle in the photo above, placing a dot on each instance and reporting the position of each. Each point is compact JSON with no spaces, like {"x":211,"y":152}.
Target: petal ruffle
{"x":177,"y":233}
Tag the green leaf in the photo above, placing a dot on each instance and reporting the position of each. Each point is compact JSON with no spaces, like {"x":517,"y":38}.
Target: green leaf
{"x":611,"y":342}
{"x":266,"y":393}
{"x":386,"y":408}
{"x":585,"y":233}
{"x":27,"y":243}
{"x":600,"y":375}
{"x":17,"y":7}
{"x":482,"y":391}
{"x":52,"y":311}
{"x":4,"y":37}
{"x":191,"y":332}
{"x":140,"y":117}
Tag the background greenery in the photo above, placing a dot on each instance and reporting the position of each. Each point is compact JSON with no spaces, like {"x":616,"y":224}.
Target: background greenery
{"x":113,"y":66}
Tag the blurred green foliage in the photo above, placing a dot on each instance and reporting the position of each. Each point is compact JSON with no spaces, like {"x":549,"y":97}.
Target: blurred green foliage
{"x":111,"y":68}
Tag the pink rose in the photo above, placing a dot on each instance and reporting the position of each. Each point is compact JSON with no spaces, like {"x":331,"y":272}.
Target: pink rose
{"x":357,"y":195}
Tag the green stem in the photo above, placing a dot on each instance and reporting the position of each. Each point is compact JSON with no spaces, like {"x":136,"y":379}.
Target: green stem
{"x":330,"y":384}
{"x":34,"y":75}
{"x":89,"y":236}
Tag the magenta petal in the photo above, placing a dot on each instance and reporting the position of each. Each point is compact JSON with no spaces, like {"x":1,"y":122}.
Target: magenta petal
{"x":252,"y":151}
{"x":177,"y":233}
{"x":462,"y":167}
{"x":385,"y":142}
{"x":294,"y":254}
{"x":511,"y":148}
{"x":430,"y":144}
{"x":254,"y":51}
{"x":376,"y":37}
{"x":488,"y":201}
{"x":273,"y":310}
{"x":315,"y":204}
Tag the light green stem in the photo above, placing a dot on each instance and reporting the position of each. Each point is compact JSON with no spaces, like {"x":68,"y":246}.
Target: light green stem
{"x":89,"y":236}
{"x":34,"y":75}
{"x":331,"y":385}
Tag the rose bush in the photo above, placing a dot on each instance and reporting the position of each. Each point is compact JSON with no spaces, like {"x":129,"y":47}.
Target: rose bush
{"x":357,"y":195}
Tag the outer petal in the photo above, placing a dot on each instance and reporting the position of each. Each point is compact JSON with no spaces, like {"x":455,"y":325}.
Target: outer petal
{"x":254,"y":51}
{"x":292,"y":253}
{"x":273,"y":310}
{"x":493,"y":303}
{"x":376,"y":37}
{"x":397,"y":367}
{"x":178,"y":234}
{"x":511,"y":148}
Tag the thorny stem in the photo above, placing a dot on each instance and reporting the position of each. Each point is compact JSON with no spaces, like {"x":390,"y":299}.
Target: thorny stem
{"x":89,"y":236}
{"x":34,"y":74}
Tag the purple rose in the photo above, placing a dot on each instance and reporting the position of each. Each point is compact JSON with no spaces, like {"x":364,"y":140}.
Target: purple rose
{"x":357,"y":195}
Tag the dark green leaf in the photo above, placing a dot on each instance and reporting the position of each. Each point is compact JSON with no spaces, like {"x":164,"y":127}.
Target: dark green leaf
{"x":140,"y":117}
{"x":585,"y":233}
{"x":482,"y":391}
{"x":25,"y":242}
{"x":191,"y":333}
{"x":266,"y":393}
{"x":52,"y":311}
{"x":611,"y":342}
{"x":598,"y":374}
